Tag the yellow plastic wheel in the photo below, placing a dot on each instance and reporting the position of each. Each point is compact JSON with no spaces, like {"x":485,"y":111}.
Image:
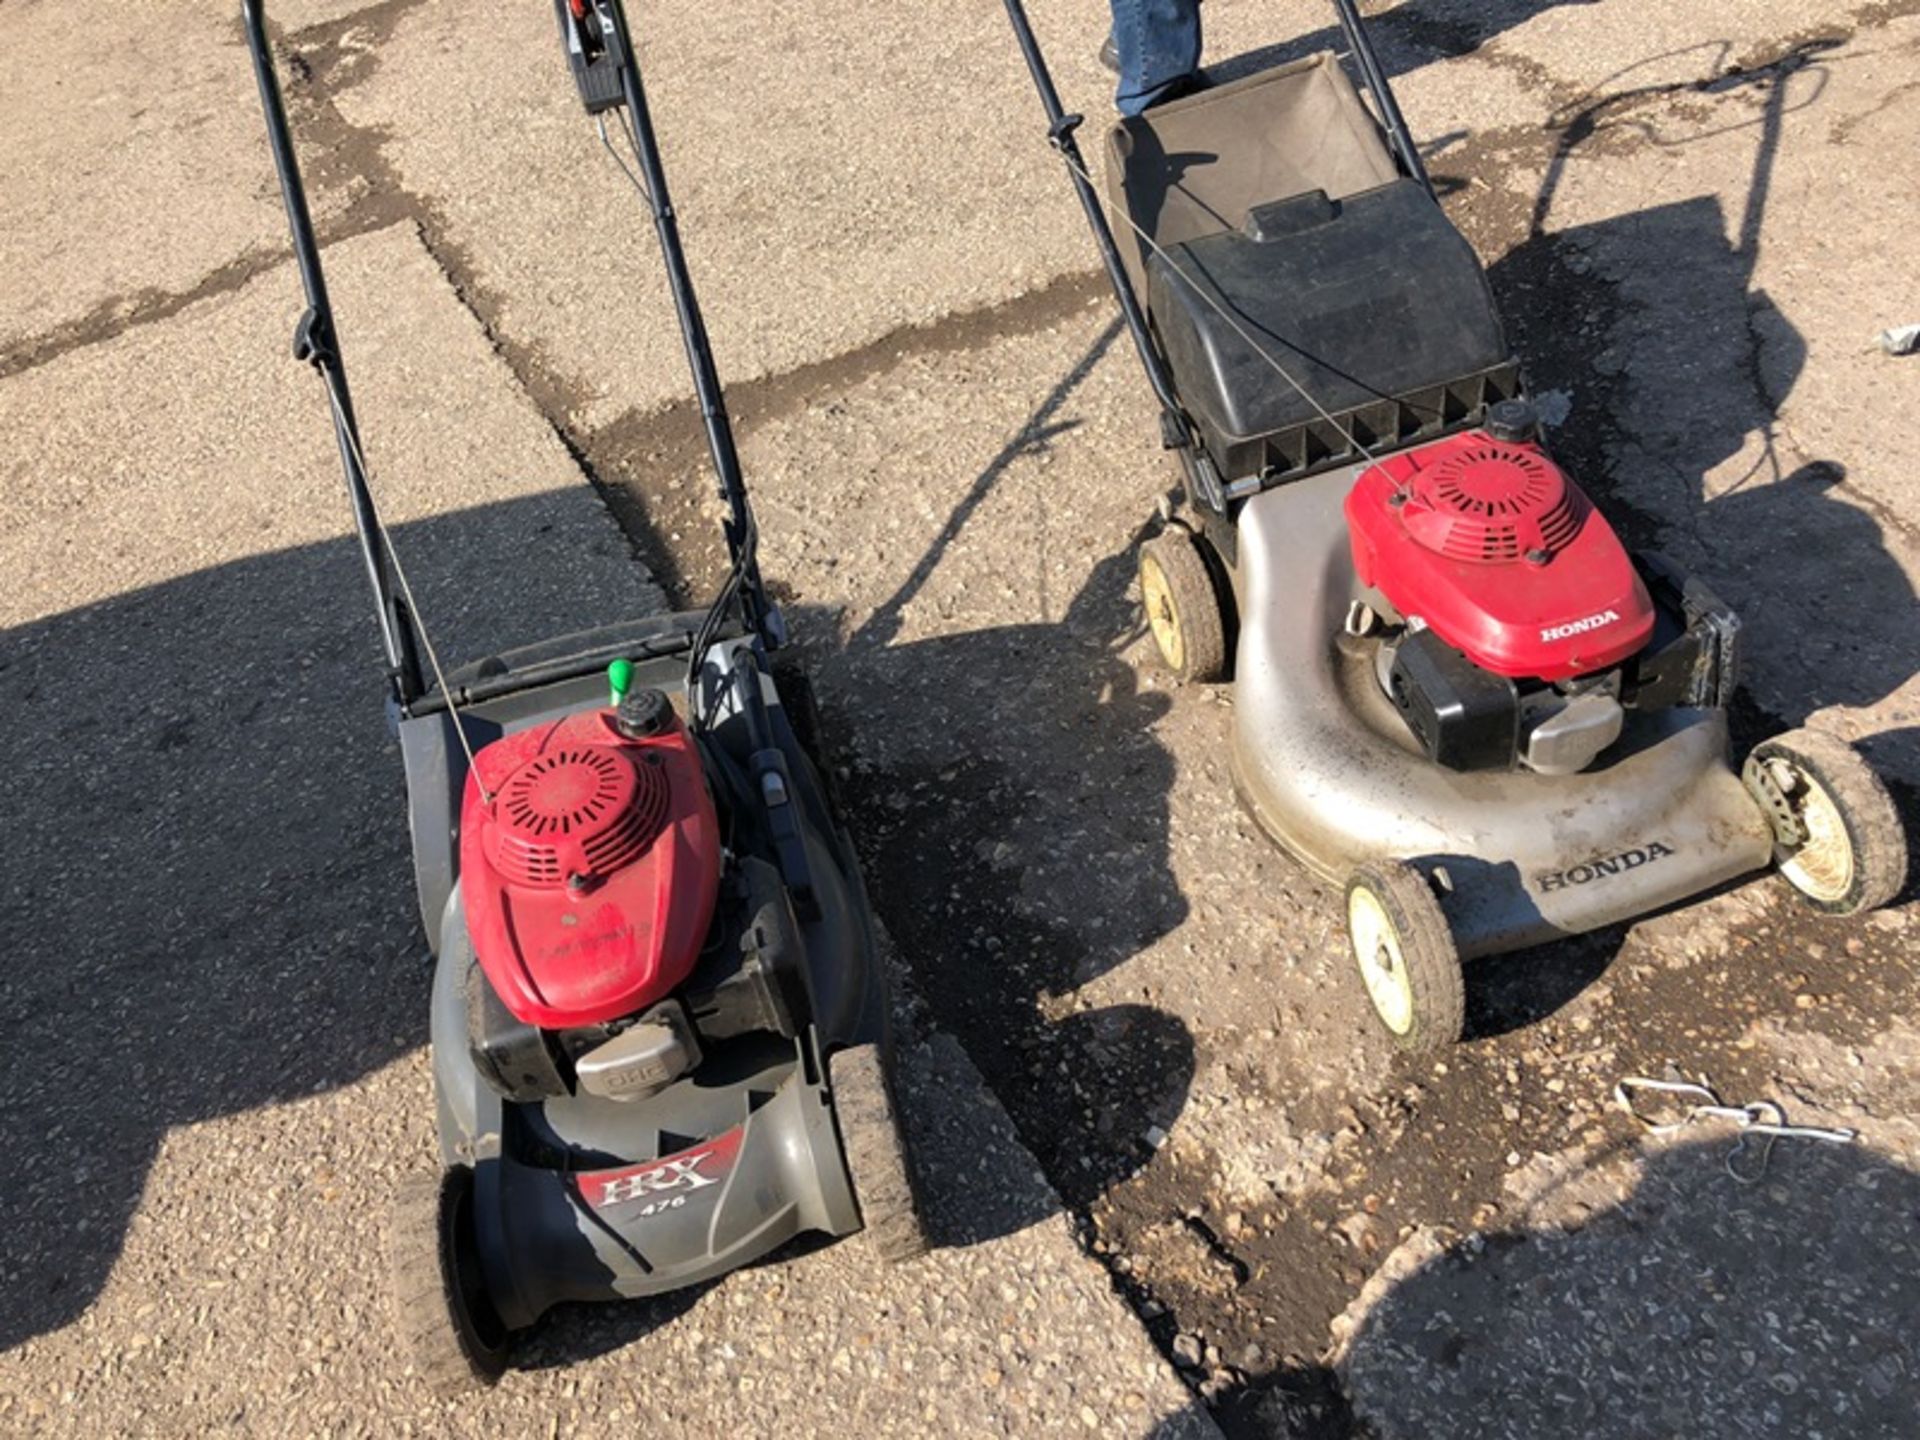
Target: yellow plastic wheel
{"x":1406,"y":956}
{"x":1848,"y":850}
{"x":1183,"y":606}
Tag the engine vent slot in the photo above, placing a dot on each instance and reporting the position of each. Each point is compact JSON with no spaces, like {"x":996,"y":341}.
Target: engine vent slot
{"x":587,"y":809}
{"x":635,"y":828}
{"x":1491,"y":503}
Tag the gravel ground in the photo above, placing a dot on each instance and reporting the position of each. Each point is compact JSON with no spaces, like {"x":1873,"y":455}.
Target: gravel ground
{"x":1695,"y":224}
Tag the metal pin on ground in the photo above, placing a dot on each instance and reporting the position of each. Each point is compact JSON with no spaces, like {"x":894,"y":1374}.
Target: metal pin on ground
{"x":1763,"y":1121}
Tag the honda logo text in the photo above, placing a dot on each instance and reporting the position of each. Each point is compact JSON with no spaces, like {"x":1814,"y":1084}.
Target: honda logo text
{"x":1606,"y":865}
{"x":1579,"y":627}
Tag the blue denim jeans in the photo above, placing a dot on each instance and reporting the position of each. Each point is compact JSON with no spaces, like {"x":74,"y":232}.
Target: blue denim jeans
{"x":1159,"y":45}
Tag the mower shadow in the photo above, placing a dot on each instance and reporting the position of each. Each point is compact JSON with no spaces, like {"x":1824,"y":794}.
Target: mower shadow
{"x":1018,"y":859}
{"x":208,"y":884}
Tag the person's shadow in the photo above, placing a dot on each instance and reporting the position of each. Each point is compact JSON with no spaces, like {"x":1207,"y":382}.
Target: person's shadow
{"x":1696,"y":1305}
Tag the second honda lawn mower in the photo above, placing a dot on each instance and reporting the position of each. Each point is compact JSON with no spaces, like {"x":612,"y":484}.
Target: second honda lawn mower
{"x":1456,"y":692}
{"x":659,"y":1016}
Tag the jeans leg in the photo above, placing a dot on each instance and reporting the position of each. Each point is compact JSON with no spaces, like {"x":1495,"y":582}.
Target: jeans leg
{"x":1159,"y":45}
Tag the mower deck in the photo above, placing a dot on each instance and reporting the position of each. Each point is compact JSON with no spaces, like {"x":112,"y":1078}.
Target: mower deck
{"x":1326,"y":765}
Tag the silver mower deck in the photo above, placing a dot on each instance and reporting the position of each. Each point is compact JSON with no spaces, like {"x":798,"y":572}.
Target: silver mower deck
{"x":1328,"y":768}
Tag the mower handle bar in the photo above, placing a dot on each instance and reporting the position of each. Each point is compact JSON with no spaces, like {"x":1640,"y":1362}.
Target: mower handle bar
{"x":315,"y":341}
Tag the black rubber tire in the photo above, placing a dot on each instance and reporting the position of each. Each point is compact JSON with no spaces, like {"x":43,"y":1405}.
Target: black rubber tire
{"x":876,"y":1152}
{"x":1182,"y":606}
{"x":802,"y":705}
{"x":447,"y":1326}
{"x":797,"y":698}
{"x":1435,"y":988}
{"x":1874,"y":837}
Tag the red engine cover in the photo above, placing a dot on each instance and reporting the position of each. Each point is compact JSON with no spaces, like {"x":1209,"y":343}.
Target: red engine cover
{"x":589,"y":879}
{"x":1501,"y":554}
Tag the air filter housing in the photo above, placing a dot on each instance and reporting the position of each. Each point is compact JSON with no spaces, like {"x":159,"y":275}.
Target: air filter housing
{"x":588,"y":868}
{"x":1494,"y":548}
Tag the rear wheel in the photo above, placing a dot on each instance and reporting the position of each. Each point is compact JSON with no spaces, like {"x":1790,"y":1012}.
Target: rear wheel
{"x":1837,"y":835}
{"x":447,"y":1324}
{"x":1406,"y":956}
{"x":876,"y":1153}
{"x":802,"y":706}
{"x":1182,"y":604}
{"x":795,"y":688}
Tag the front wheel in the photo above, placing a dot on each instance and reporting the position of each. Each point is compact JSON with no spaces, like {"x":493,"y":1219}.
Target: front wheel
{"x":1837,"y":835}
{"x":1406,"y":955}
{"x":876,"y":1153}
{"x":447,"y":1324}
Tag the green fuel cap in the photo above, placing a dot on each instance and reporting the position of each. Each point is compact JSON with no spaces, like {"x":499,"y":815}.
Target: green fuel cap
{"x":619,"y":680}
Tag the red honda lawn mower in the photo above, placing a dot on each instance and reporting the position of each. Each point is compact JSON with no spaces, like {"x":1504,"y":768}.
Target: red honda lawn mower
{"x":1455,"y":691}
{"x":659,"y":1016}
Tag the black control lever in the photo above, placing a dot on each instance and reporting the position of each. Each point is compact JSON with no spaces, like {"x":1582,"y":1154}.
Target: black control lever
{"x":592,"y":43}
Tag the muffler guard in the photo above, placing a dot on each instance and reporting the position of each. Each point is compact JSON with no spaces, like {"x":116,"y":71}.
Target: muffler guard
{"x":1328,"y":769}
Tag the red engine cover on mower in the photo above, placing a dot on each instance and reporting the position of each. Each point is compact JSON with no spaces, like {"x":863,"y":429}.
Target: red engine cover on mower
{"x":589,"y":878}
{"x":1501,"y":554}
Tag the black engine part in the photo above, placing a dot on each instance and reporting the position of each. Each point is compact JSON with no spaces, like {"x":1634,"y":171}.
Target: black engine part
{"x":757,"y":981}
{"x":1693,"y":658}
{"x":1464,"y":717}
{"x":517,"y":1059}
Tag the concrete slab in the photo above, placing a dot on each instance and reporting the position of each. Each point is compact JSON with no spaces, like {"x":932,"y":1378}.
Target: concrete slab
{"x":193,"y":675}
{"x":133,"y":169}
{"x":244,"y":465}
{"x":840,"y":172}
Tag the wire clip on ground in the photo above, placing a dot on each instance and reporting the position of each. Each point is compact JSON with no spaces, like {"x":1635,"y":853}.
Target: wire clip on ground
{"x":1761,"y":1124}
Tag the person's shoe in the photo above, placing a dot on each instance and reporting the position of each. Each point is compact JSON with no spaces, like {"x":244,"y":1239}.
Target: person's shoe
{"x":1110,"y":53}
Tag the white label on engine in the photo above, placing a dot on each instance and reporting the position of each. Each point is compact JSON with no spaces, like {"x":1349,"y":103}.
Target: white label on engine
{"x":1579,"y":627}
